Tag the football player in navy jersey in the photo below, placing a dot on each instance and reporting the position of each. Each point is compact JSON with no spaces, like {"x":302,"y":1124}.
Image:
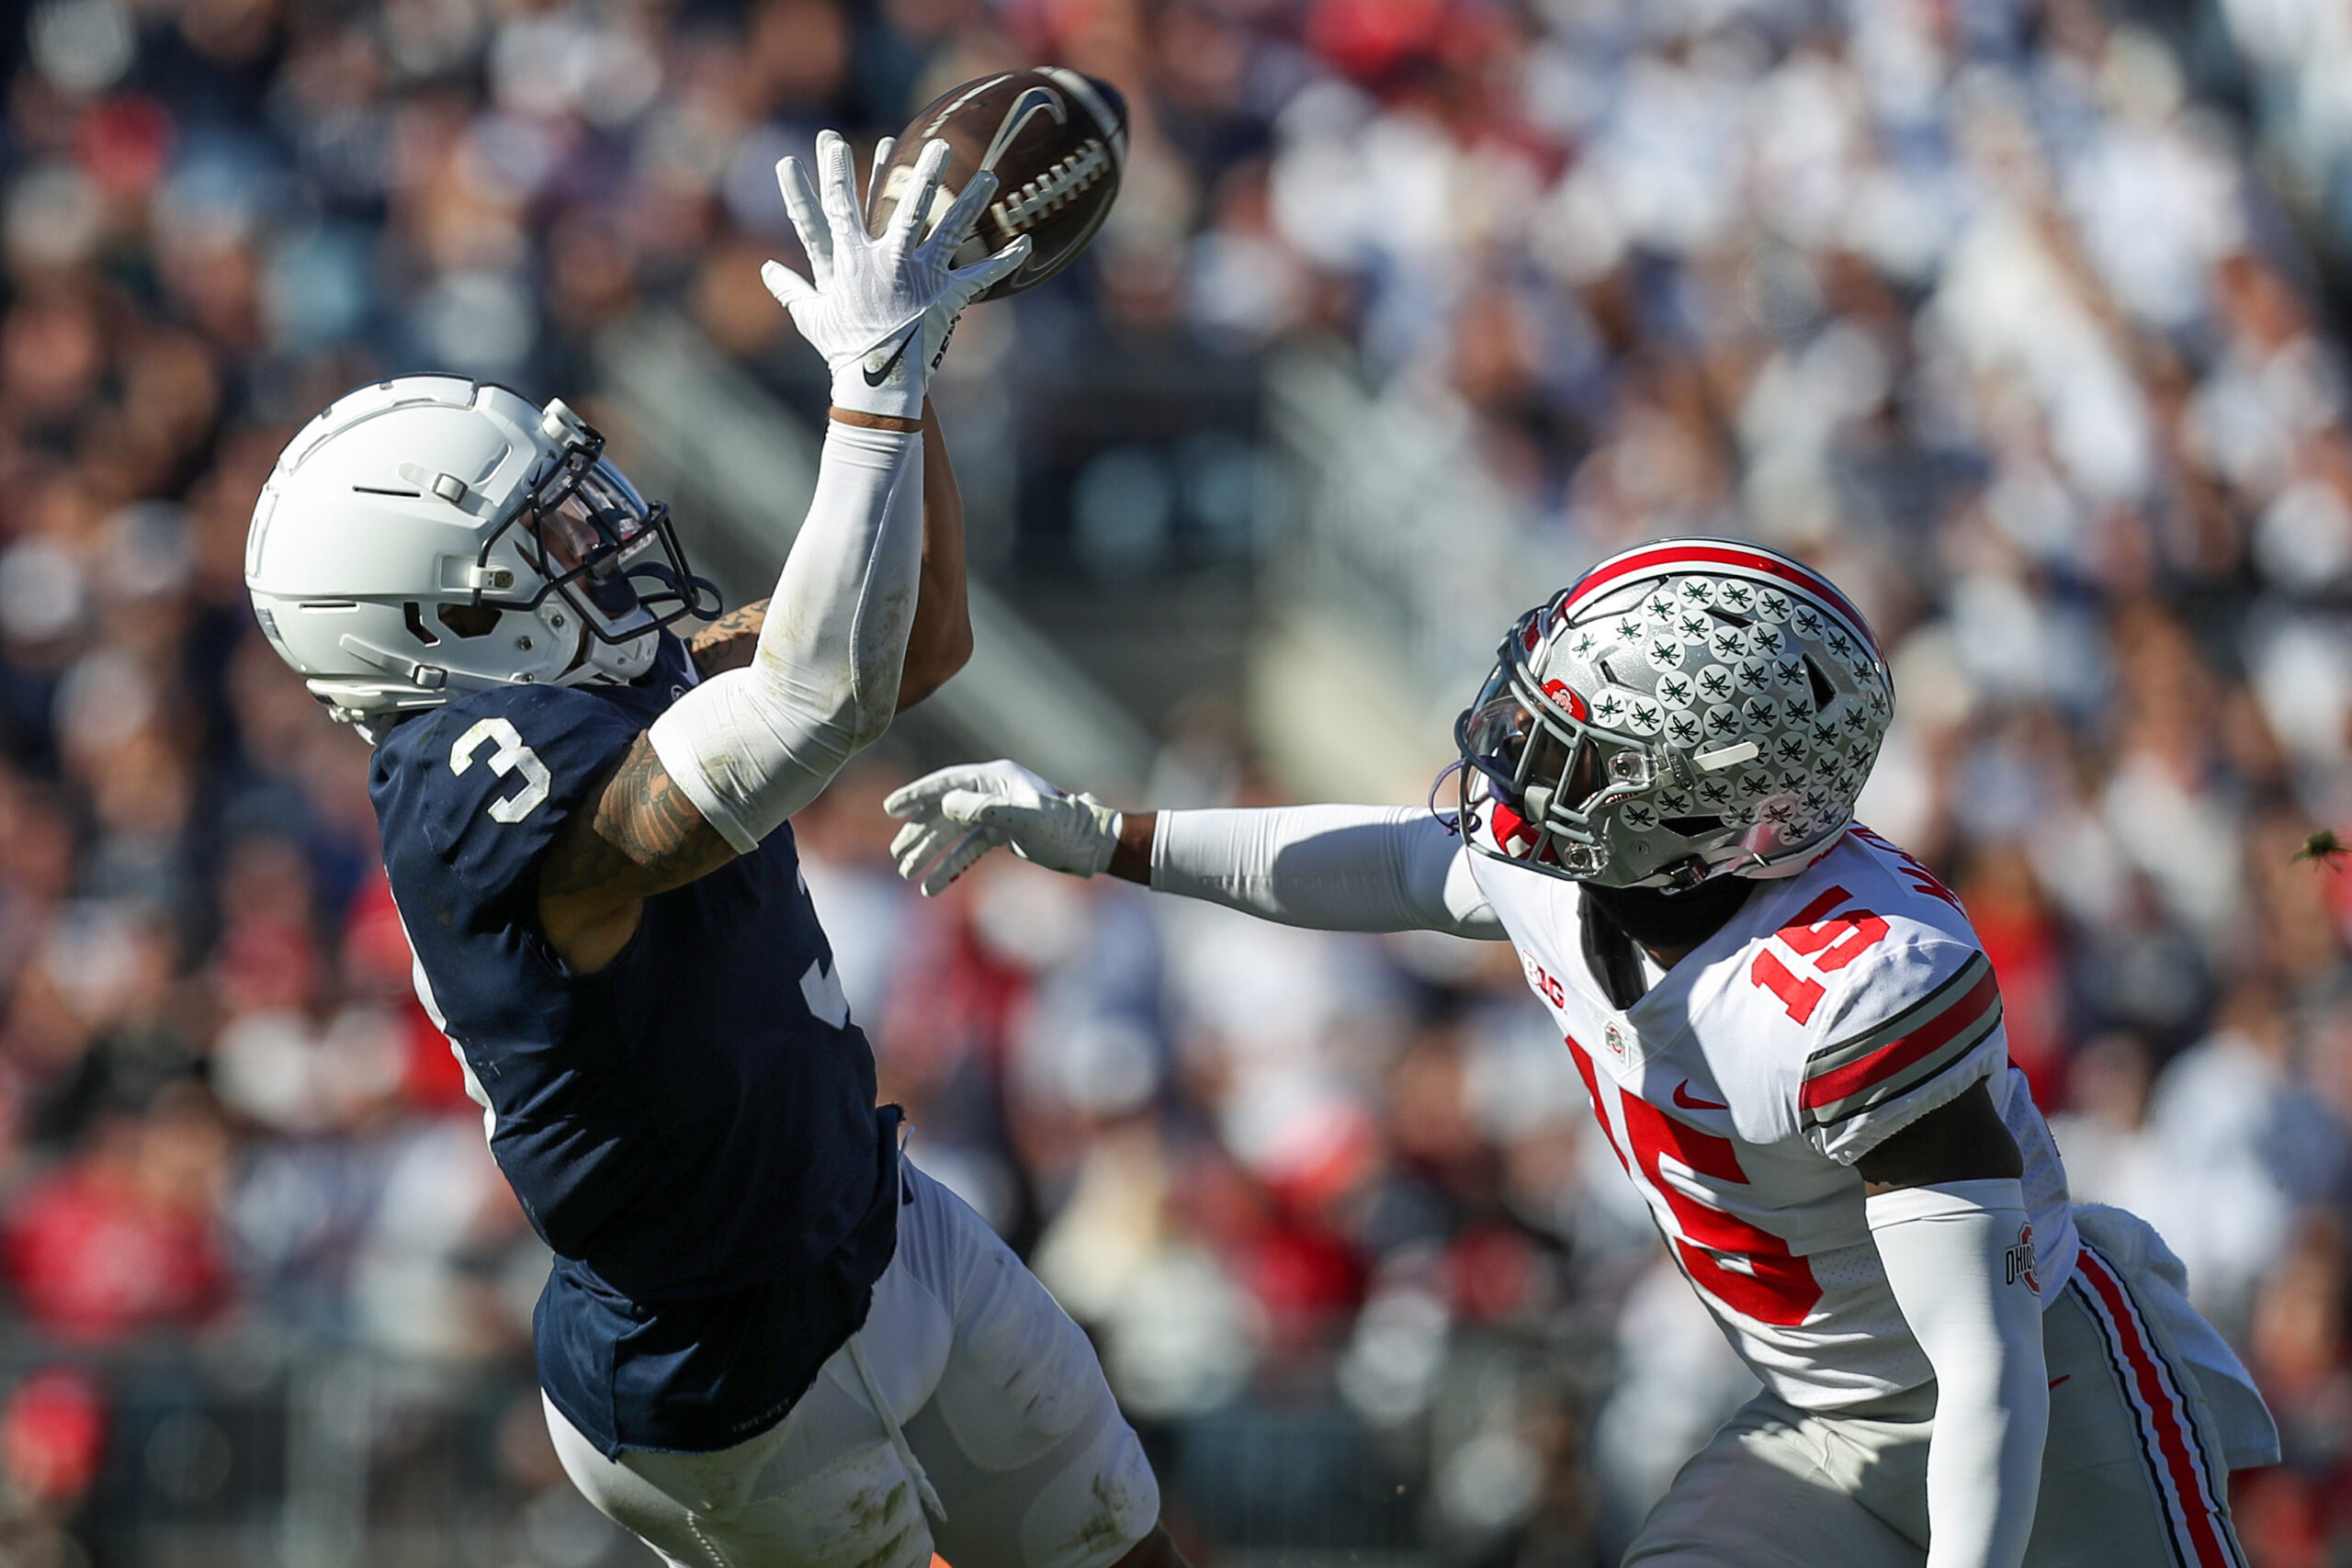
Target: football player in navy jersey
{"x":767,"y":1338}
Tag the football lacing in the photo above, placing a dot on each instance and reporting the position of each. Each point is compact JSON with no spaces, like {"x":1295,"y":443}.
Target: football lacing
{"x":1056,"y":187}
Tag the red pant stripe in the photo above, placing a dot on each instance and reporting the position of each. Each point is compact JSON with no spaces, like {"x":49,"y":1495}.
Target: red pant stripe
{"x":2165,"y":1424}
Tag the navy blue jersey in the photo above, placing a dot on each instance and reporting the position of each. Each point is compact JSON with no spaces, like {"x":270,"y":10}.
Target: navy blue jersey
{"x":691,"y":1128}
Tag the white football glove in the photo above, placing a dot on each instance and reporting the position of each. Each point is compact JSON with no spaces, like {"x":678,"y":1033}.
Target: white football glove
{"x":879,"y":309}
{"x":956,"y":815}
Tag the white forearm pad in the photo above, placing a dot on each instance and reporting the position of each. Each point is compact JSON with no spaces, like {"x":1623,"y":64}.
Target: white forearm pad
{"x":749,"y":747}
{"x":1960,"y":1259}
{"x":1334,"y":868}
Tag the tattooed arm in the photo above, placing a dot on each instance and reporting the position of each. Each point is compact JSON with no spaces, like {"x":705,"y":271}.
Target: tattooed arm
{"x":728,"y":642}
{"x":941,"y":639}
{"x":639,"y":837}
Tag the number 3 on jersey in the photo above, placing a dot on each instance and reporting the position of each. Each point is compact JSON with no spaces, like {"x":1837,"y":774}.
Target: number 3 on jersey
{"x":512,"y":757}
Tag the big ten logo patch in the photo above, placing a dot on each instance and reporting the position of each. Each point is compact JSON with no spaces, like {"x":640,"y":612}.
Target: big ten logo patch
{"x":1613,"y":1040}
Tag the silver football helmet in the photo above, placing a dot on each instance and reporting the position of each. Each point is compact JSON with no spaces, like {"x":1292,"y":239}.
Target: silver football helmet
{"x":1688,"y":709}
{"x":431,"y":534}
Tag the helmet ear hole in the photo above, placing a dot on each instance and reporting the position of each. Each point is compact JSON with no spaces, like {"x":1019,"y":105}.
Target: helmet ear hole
{"x":413,"y":613}
{"x":469,"y":620}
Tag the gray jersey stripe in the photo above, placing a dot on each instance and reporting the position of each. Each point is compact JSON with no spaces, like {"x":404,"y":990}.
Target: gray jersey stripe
{"x":1910,"y":1078}
{"x":1854,"y":1047}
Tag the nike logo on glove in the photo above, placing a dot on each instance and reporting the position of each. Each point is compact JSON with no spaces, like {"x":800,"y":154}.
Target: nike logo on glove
{"x":1683,"y":1098}
{"x":876,"y":377}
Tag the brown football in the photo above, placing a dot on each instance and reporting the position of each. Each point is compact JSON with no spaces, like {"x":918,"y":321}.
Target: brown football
{"x":1055,"y":140}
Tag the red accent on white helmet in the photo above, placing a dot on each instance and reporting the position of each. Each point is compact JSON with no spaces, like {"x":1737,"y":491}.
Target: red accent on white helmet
{"x":1671,"y":555}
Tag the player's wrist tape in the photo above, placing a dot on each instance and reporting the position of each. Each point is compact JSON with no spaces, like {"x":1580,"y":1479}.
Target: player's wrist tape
{"x":749,"y":747}
{"x":1959,"y":1258}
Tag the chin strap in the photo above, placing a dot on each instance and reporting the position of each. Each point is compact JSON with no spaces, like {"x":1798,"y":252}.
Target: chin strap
{"x":1691,"y":873}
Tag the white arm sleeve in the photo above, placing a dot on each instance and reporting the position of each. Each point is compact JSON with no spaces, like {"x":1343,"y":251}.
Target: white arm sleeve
{"x":1334,"y":868}
{"x":749,"y":747}
{"x":1960,"y":1259}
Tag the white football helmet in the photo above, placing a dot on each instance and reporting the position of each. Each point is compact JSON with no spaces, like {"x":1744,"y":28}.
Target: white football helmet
{"x":1688,"y":709}
{"x":430,"y":536}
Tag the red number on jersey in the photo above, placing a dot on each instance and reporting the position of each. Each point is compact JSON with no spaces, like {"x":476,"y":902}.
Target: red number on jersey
{"x":1746,"y":1268}
{"x":1832,"y":942}
{"x":1829,"y":942}
{"x":1800,"y":996}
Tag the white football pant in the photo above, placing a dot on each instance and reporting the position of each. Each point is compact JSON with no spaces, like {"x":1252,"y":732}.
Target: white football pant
{"x":968,"y":1416}
{"x":2133,"y":1474}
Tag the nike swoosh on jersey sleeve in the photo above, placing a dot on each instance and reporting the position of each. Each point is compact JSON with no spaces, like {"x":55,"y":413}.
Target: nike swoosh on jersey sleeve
{"x":1880,"y":1064}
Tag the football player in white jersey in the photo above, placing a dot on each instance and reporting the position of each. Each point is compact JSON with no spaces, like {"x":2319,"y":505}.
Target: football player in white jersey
{"x":1793,"y":1041}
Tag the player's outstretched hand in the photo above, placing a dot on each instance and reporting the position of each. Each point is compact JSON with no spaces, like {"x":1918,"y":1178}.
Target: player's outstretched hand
{"x":878,"y":308}
{"x":956,"y":815}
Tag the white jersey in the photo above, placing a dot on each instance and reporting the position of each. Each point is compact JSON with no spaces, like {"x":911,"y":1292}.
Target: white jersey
{"x":1837,"y":1007}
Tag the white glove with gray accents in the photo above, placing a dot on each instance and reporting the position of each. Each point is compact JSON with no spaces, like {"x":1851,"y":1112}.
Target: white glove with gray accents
{"x":956,"y":815}
{"x":879,"y":309}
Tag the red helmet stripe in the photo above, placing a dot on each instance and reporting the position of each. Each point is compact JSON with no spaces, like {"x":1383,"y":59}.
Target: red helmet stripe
{"x":1658,"y":558}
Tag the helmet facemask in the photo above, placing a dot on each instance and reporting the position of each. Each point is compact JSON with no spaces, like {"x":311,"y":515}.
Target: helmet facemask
{"x":603,"y":549}
{"x":1537,"y":775}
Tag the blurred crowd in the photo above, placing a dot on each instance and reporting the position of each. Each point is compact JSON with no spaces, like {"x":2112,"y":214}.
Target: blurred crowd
{"x":1974,"y":305}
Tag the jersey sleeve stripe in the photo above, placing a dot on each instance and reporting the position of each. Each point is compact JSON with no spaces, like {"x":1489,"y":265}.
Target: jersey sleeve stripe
{"x":1855,"y":1047}
{"x":1904,"y":1064}
{"x":1904,"y":1082}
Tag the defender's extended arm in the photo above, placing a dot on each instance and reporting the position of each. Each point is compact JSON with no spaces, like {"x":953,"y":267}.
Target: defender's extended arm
{"x":1333,"y":868}
{"x":1363,"y":868}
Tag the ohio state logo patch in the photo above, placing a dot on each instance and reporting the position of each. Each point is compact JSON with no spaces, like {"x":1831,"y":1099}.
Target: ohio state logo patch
{"x":1565,"y":695}
{"x":2020,"y":1264}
